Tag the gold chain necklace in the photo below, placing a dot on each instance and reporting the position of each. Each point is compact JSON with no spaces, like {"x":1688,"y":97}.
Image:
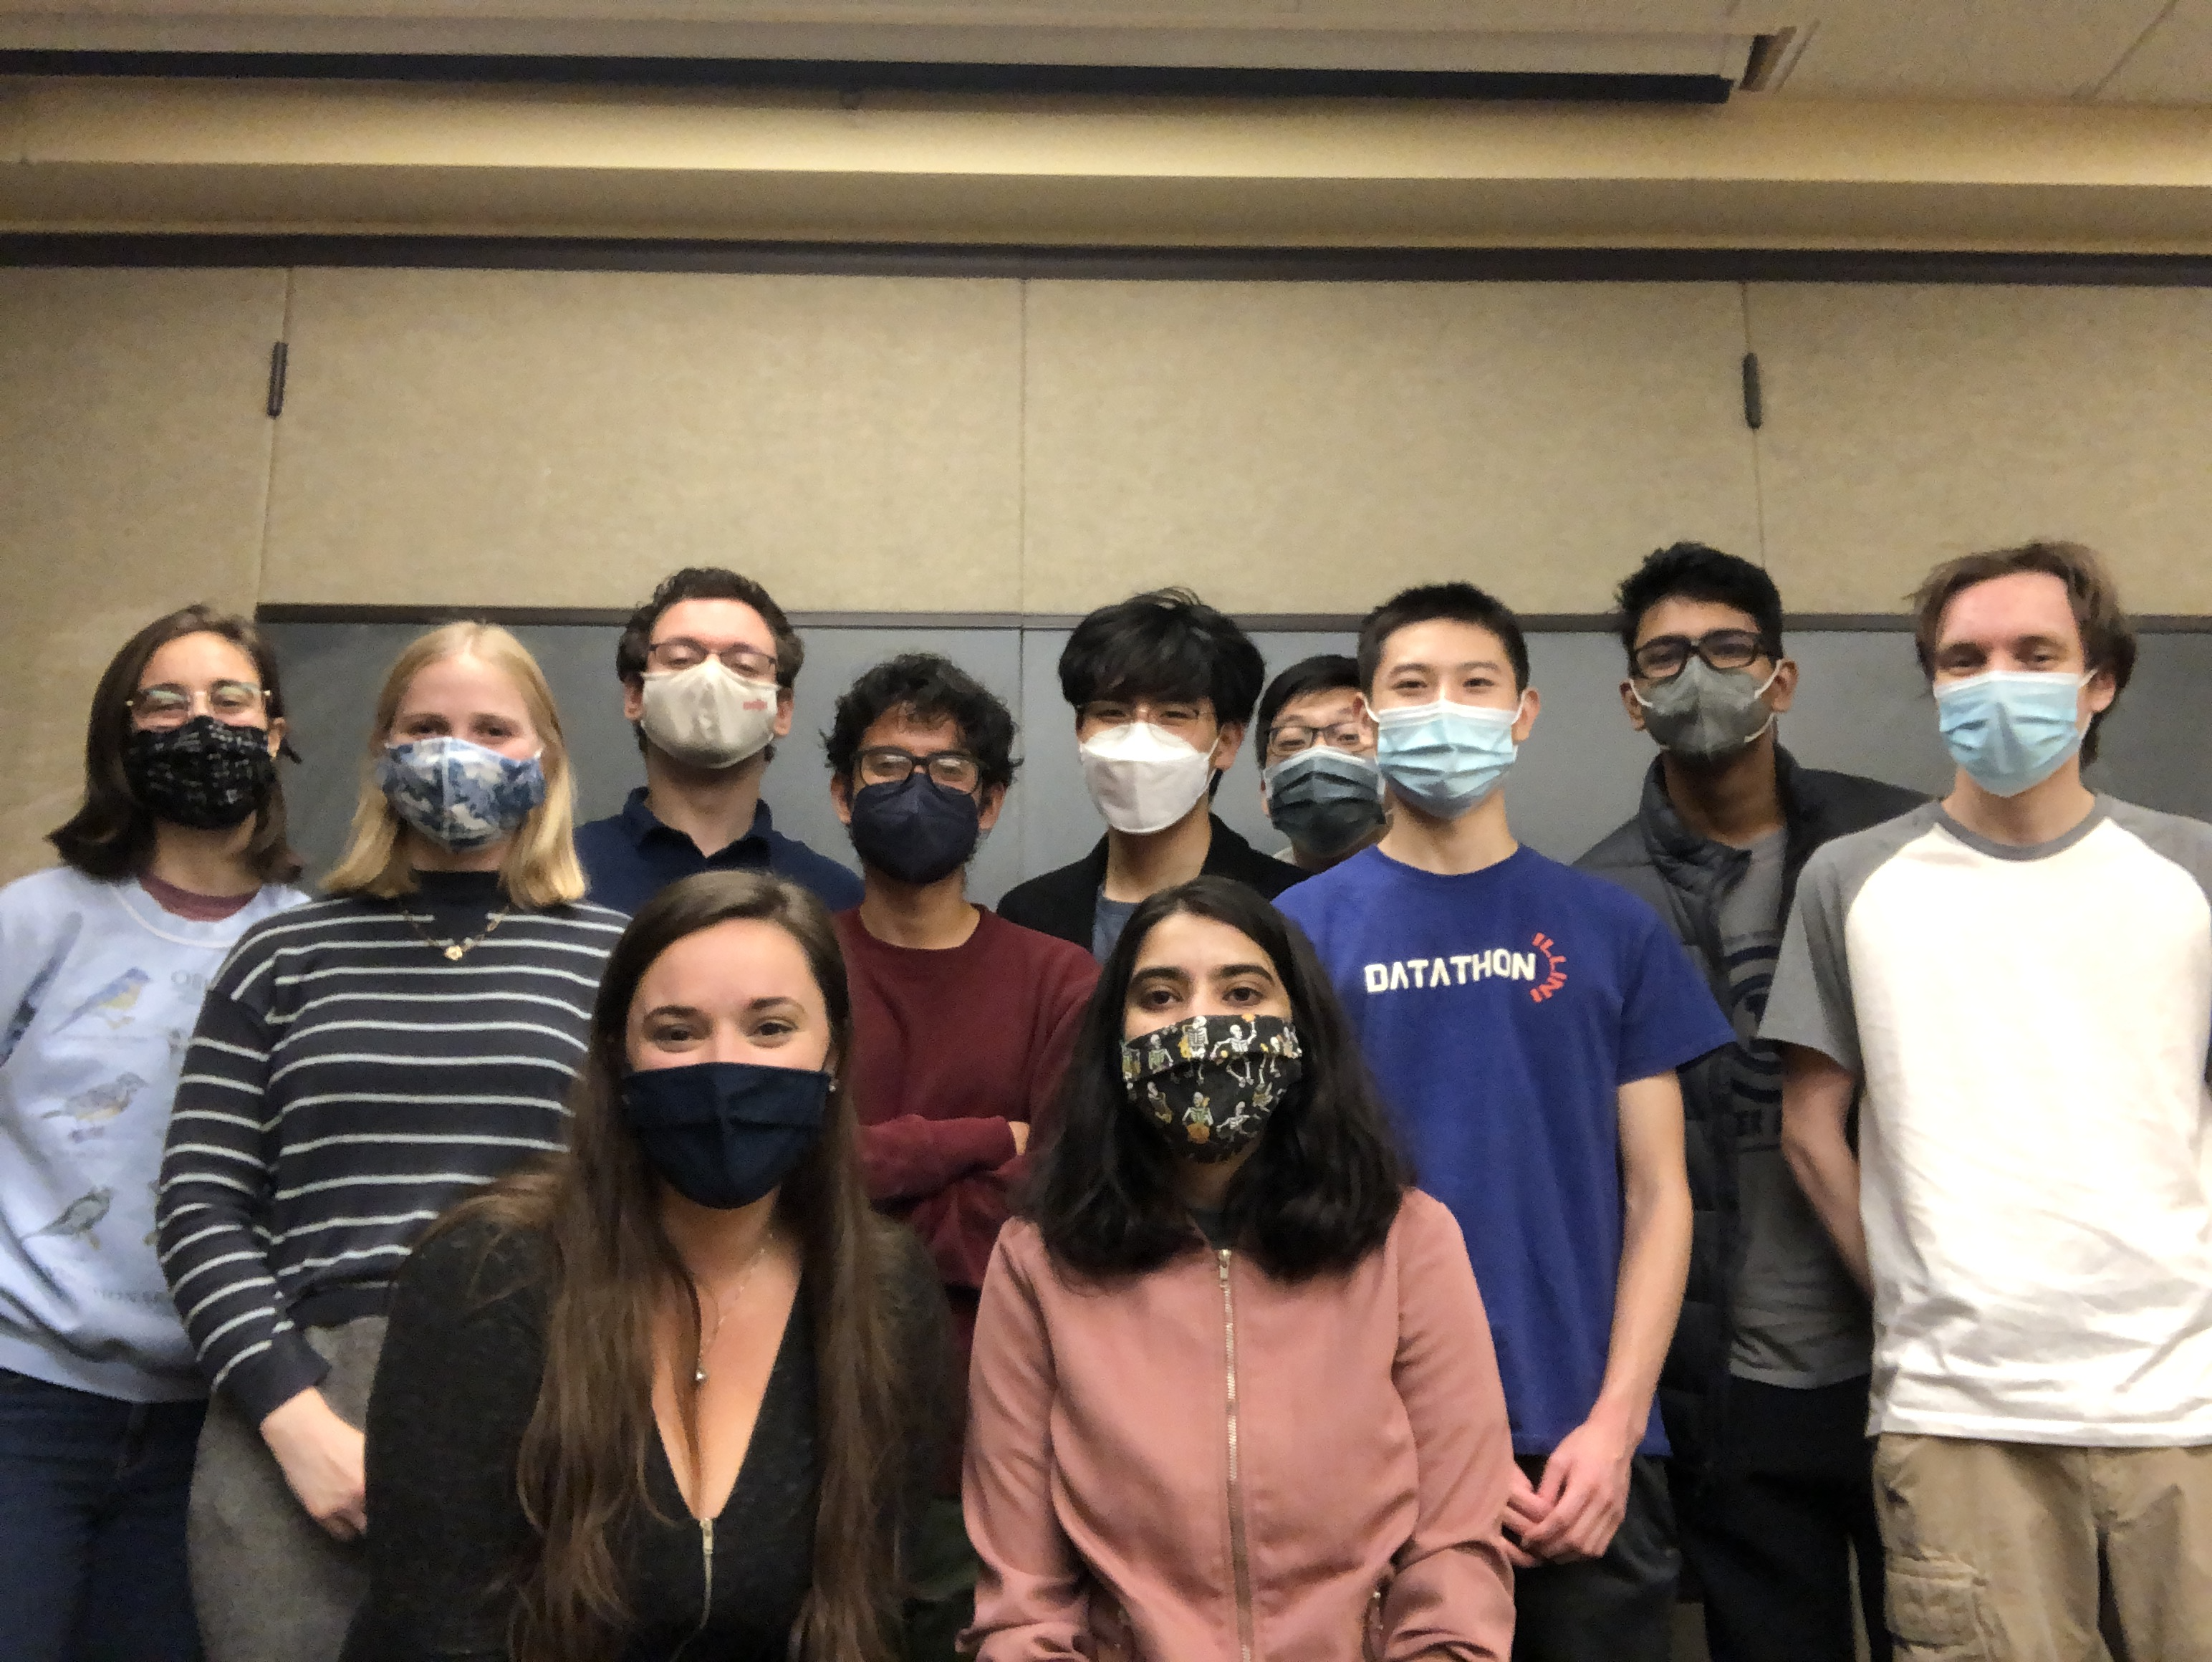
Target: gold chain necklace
{"x":745,"y":1281}
{"x":455,"y":950}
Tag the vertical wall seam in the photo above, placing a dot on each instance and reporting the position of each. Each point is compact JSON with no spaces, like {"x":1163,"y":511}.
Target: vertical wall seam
{"x":275,"y":438}
{"x":1756,"y":435}
{"x":1022,"y":534}
{"x":1021,"y":445}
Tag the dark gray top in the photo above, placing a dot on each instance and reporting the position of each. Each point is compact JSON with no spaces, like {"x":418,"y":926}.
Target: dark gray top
{"x":1800,"y":1321}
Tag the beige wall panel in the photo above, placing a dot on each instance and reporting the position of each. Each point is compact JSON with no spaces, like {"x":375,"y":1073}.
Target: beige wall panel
{"x":134,"y":468}
{"x":510,"y":438}
{"x":1311,"y":447}
{"x":1905,"y":424}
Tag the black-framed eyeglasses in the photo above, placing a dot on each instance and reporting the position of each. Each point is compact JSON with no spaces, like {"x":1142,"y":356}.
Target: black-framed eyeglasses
{"x":1289,"y":737}
{"x":170,"y":705}
{"x":749,"y":663}
{"x":1665,"y":656}
{"x":887,"y":764}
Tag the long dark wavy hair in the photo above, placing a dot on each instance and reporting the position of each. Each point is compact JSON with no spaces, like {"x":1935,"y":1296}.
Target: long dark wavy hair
{"x":581,"y":1472}
{"x":111,"y":836}
{"x":1319,"y":1193}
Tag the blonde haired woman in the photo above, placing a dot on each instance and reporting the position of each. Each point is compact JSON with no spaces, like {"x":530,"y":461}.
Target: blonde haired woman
{"x":360,"y":1063}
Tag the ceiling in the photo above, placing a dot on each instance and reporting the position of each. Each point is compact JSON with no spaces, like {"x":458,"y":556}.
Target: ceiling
{"x":2106,"y":51}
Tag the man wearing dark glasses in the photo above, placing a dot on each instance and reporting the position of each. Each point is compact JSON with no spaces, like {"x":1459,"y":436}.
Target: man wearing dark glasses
{"x":1764,"y":1391}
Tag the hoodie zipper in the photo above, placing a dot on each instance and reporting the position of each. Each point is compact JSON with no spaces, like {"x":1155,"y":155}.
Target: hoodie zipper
{"x":707,"y":1575}
{"x":1239,"y":1556}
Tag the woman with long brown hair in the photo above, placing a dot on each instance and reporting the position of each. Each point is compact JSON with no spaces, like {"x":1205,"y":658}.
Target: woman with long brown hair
{"x":178,"y":849}
{"x":679,"y":1392}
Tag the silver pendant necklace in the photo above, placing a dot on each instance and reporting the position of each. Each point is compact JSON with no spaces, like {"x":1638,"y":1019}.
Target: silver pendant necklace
{"x":721,"y":1304}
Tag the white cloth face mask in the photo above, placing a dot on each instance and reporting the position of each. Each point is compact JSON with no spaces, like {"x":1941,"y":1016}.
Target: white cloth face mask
{"x":1142,"y":778}
{"x":708,"y":715}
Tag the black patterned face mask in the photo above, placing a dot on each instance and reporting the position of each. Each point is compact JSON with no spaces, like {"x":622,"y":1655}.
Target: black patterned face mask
{"x":1210,"y":1083}
{"x":207,"y":774}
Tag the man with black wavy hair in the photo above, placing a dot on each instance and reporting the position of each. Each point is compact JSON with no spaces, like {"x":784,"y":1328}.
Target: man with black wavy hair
{"x":1765,"y":1389}
{"x":962,"y":1021}
{"x":1163,"y":687}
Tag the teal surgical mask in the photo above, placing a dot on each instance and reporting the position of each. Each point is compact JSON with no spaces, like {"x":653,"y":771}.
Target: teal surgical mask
{"x":2011,"y":729}
{"x":1445,"y":757}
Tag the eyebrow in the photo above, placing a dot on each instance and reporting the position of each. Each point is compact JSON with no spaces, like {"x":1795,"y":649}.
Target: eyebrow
{"x":1230,"y":971}
{"x":1467,"y":664}
{"x":1159,"y":972}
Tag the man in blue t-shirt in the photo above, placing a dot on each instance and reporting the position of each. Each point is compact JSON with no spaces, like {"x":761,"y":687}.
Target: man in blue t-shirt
{"x":1526,"y":1021}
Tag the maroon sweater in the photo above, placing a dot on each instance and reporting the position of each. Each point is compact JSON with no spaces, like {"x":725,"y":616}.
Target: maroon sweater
{"x":949,"y":1046}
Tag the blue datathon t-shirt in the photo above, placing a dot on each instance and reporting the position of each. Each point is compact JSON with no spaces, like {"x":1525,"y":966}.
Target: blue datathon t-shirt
{"x":1502,"y":1010}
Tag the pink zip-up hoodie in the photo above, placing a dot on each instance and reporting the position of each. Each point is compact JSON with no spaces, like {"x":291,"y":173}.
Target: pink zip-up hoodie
{"x":1202,"y":1463}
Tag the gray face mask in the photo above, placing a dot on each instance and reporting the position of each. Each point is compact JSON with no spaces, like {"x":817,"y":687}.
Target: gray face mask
{"x":1707,"y":714}
{"x":1324,"y":800}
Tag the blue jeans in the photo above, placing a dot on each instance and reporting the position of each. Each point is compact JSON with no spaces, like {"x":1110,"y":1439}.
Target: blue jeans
{"x":92,"y":1525}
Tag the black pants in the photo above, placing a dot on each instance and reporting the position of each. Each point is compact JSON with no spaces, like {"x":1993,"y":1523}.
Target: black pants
{"x":1770,"y":1531}
{"x":1620,"y":1608}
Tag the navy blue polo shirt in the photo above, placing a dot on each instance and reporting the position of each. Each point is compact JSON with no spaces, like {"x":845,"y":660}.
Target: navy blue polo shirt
{"x":631,"y":857}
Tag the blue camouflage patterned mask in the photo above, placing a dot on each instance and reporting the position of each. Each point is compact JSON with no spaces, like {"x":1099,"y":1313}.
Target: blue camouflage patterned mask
{"x":460,"y":795}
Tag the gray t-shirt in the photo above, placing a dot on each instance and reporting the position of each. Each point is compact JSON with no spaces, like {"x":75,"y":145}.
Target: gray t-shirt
{"x":1799,"y":1320}
{"x":1108,"y":919}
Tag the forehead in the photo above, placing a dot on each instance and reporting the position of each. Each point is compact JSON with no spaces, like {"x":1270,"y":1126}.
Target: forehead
{"x":1445,"y":644}
{"x":195,"y":659}
{"x":1196,"y":946}
{"x":715,"y":622}
{"x":728,"y":967}
{"x":1315,"y":710}
{"x":922,"y":735}
{"x":464,"y":681}
{"x":1679,"y":615}
{"x":2019,"y":603}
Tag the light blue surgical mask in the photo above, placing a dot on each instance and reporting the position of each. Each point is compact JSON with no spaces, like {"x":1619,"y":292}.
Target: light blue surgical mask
{"x":2011,"y":729}
{"x":1445,"y":757}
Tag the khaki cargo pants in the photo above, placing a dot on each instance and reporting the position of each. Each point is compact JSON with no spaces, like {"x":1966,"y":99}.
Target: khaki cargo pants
{"x":1994,"y":1550}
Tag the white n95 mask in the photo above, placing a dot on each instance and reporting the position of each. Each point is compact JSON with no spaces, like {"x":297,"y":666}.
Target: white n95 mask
{"x":708,"y":715}
{"x":1142,"y":778}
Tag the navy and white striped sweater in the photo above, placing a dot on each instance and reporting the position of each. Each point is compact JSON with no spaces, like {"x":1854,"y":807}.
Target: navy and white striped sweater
{"x":346,"y":1085}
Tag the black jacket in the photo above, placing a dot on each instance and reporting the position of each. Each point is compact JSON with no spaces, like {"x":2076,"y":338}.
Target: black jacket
{"x":1683,"y":877}
{"x":1064,"y":902}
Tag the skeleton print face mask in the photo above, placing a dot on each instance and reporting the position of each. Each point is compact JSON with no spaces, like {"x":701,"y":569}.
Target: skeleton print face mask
{"x":1210,"y":1083}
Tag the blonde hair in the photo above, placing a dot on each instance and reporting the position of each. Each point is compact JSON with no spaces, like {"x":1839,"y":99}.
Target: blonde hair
{"x":540,"y":868}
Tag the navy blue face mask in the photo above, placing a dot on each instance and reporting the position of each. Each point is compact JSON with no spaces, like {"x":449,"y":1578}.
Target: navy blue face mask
{"x":916,"y":831}
{"x":724,"y":1134}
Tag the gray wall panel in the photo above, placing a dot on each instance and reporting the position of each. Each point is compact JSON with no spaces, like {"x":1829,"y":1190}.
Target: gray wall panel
{"x":1860,"y":707}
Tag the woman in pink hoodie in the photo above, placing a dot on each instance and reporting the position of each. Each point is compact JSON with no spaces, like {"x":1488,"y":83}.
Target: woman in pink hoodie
{"x":1233,"y":1397}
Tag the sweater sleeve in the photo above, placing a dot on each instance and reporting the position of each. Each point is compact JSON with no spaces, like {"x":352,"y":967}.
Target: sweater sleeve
{"x":912,"y":1158}
{"x":1453,"y":1594}
{"x":1029,"y":1597}
{"x":455,"y":1388}
{"x":35,"y":943}
{"x":217,"y":1172}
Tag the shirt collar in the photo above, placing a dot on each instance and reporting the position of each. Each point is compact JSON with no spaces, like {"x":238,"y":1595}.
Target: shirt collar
{"x":641,"y":823}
